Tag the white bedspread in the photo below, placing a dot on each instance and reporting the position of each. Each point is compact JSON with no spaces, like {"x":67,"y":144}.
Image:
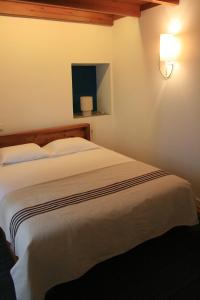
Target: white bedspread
{"x":62,"y":244}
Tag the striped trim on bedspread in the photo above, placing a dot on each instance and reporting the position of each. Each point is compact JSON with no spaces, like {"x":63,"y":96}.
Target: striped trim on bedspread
{"x":29,"y":212}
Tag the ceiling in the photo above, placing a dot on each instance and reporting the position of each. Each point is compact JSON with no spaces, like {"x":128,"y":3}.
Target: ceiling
{"x":101,"y":12}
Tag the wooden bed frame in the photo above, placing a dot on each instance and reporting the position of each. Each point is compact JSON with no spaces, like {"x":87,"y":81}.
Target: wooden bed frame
{"x":44,"y":136}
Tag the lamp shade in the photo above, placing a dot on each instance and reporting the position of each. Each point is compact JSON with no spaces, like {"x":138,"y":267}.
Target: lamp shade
{"x":86,"y":105}
{"x":169,"y":47}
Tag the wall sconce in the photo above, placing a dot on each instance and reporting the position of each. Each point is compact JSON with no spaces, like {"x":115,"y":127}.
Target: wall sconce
{"x":169,"y":49}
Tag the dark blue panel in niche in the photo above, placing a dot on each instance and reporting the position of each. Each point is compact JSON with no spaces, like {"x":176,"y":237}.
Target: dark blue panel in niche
{"x":84,"y":84}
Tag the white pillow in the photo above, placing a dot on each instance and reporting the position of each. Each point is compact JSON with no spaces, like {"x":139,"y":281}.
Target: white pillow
{"x":69,"y":146}
{"x":20,"y":153}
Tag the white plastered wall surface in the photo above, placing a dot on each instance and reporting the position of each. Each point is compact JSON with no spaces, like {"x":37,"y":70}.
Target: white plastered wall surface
{"x":159,"y":119}
{"x":35,"y":73}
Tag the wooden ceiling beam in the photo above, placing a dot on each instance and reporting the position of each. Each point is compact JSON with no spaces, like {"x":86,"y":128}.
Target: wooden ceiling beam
{"x":114,"y":7}
{"x":147,"y":6}
{"x":102,"y":12}
{"x":53,"y":12}
{"x":150,"y":4}
{"x":169,"y":2}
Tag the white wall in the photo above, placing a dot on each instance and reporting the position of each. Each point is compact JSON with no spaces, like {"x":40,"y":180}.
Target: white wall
{"x":35,"y":72}
{"x":131,"y":89}
{"x":158,"y":120}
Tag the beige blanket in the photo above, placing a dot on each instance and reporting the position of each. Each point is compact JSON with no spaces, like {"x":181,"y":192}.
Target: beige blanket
{"x":60,"y":229}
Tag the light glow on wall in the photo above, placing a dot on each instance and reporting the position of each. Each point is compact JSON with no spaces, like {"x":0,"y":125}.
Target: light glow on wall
{"x":175,"y":26}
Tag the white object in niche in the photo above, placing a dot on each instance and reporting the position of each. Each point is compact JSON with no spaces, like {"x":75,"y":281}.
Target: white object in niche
{"x":86,"y":105}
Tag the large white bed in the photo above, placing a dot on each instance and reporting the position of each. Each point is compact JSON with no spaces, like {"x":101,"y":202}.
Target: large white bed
{"x":62,"y":214}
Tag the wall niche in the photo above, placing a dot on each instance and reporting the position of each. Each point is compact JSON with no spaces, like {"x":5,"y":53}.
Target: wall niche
{"x":91,"y":80}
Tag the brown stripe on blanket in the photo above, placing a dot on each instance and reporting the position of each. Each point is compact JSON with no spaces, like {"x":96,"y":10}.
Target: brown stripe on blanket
{"x":116,"y":187}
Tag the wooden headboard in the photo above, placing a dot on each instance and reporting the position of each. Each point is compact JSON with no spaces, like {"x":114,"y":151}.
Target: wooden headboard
{"x":44,"y":136}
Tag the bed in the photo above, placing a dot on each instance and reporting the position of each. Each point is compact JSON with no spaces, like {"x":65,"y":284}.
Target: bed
{"x":65,"y":212}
